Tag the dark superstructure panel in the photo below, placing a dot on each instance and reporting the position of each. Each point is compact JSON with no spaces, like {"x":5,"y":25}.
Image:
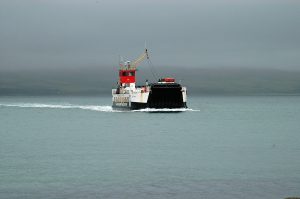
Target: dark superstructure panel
{"x":166,"y":95}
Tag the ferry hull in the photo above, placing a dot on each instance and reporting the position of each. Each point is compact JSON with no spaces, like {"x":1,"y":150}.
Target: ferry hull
{"x":160,"y":96}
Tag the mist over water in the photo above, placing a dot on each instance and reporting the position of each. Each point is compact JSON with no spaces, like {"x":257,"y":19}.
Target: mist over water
{"x":214,"y":47}
{"x":201,"y":81}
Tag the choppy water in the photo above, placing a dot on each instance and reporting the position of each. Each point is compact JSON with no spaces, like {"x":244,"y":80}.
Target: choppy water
{"x":78,"y":147}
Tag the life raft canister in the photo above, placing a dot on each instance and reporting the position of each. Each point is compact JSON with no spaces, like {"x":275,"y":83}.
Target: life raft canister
{"x":168,"y":79}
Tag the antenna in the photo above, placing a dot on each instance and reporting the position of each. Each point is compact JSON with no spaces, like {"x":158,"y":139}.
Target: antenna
{"x":146,"y":50}
{"x":121,"y":61}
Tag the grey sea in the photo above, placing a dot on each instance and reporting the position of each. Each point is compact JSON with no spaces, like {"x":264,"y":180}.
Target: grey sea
{"x":221,"y":147}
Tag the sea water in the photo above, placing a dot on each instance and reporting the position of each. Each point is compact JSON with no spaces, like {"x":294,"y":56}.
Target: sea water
{"x":79,"y":147}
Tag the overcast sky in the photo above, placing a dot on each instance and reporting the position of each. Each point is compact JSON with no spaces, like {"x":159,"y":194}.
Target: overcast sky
{"x":187,"y":33}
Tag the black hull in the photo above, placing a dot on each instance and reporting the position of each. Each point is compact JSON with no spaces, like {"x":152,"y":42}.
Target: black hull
{"x":138,"y":106}
{"x":161,"y":96}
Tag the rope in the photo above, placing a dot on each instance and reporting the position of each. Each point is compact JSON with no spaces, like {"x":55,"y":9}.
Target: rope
{"x":152,"y":69}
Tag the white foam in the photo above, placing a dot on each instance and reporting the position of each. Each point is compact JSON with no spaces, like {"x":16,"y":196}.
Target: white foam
{"x":61,"y":106}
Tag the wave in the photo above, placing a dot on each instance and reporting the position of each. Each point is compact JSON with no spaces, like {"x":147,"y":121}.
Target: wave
{"x":61,"y":106}
{"x":89,"y":107}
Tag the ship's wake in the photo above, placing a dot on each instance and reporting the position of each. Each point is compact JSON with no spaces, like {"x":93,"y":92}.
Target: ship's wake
{"x":61,"y":106}
{"x":88,"y":107}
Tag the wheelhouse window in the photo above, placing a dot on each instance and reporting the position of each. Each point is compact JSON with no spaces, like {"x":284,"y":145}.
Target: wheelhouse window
{"x":124,"y":73}
{"x":131,"y":73}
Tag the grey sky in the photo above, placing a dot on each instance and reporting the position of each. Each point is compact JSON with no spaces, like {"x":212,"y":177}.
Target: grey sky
{"x":207,"y":33}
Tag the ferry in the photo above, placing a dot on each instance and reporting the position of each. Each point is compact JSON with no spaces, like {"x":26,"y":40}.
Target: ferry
{"x":166,"y":93}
